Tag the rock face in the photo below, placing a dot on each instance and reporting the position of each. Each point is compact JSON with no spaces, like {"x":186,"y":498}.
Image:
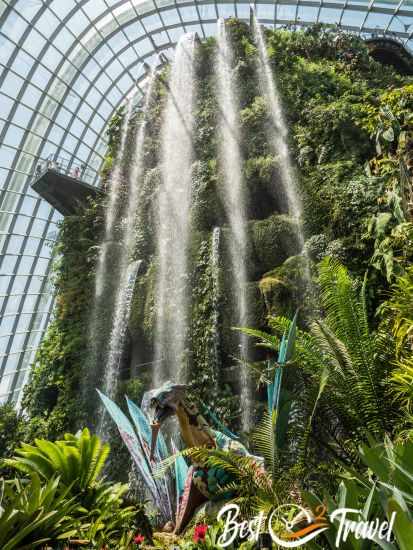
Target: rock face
{"x":274,"y":270}
{"x":334,"y":96}
{"x":284,"y":286}
{"x":212,"y":347}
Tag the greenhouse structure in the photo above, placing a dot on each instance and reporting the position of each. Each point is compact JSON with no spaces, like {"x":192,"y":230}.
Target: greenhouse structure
{"x":206,"y":278}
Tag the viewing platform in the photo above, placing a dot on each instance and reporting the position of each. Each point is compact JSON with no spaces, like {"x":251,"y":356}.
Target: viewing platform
{"x":63,"y":184}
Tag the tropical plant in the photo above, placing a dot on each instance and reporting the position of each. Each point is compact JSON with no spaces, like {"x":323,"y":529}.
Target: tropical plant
{"x":11,"y":431}
{"x":338,"y":352}
{"x":384,"y":489}
{"x":101,"y":516}
{"x":77,"y":459}
{"x":32,"y":513}
{"x":350,"y":350}
{"x":109,"y":520}
{"x":400,"y":308}
{"x":402,"y":380}
{"x":397,"y":315}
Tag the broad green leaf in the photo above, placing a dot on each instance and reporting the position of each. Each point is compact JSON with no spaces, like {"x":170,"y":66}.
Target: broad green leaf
{"x":388,"y":134}
{"x":403,"y":526}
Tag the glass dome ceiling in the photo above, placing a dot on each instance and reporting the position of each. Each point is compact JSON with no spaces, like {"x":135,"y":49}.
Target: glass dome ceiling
{"x":66,"y":66}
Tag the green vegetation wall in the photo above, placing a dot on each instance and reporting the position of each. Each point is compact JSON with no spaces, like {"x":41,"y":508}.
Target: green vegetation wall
{"x":351,"y":139}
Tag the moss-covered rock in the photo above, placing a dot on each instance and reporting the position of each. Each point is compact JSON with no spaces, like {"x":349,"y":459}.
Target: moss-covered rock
{"x":284,"y":287}
{"x":264,"y":189}
{"x":207,"y":211}
{"x":273,"y":241}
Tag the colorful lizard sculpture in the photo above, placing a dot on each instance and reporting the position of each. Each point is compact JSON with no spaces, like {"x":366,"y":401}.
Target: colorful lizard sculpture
{"x":202,"y":483}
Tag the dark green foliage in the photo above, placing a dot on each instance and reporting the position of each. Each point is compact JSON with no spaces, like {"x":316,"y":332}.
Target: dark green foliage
{"x":66,"y":487}
{"x":11,"y":432}
{"x":384,"y":489}
{"x":52,"y":396}
{"x":32,"y":514}
{"x":343,"y":348}
{"x":208,"y":210}
{"x":147,"y":215}
{"x":254,"y":124}
{"x":207,"y":338}
{"x":273,"y":241}
{"x":349,"y":134}
{"x":264,"y":194}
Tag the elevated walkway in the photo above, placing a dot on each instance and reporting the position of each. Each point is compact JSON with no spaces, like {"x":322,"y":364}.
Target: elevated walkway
{"x":63,"y":185}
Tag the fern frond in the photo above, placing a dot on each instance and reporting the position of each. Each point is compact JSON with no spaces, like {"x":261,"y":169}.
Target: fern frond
{"x":264,"y":441}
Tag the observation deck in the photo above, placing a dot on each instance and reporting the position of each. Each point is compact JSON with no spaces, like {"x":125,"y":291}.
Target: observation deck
{"x":63,"y":184}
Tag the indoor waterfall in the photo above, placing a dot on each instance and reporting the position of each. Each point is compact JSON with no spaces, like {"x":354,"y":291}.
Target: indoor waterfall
{"x":215,"y":252}
{"x":127,"y":271}
{"x":114,"y":196}
{"x":233,"y":195}
{"x":278,"y":138}
{"x":117,"y":338}
{"x":174,"y":203}
{"x":103,"y":301}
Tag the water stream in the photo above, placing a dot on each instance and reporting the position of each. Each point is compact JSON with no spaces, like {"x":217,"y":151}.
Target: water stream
{"x":216,"y":295}
{"x":127,"y":271}
{"x":174,"y":201}
{"x":117,"y":340}
{"x":279,"y":136}
{"x":114,"y":188}
{"x":103,"y":296}
{"x":233,"y":195}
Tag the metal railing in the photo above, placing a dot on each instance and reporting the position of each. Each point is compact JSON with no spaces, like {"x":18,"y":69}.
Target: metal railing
{"x":64,"y":166}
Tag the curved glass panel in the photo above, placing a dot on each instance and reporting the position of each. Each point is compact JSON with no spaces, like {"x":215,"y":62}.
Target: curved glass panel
{"x":65,"y":68}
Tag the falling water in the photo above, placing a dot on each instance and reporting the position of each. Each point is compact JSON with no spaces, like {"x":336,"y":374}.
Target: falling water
{"x":232,"y":162}
{"x":174,"y":214}
{"x":114,"y":195}
{"x":116,"y":347}
{"x":279,"y":137}
{"x":103,"y":300}
{"x":129,"y":236}
{"x":216,"y":291}
{"x":127,"y":271}
{"x":120,"y":325}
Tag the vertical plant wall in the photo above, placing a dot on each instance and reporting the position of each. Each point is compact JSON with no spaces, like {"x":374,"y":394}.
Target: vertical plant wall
{"x":351,"y":142}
